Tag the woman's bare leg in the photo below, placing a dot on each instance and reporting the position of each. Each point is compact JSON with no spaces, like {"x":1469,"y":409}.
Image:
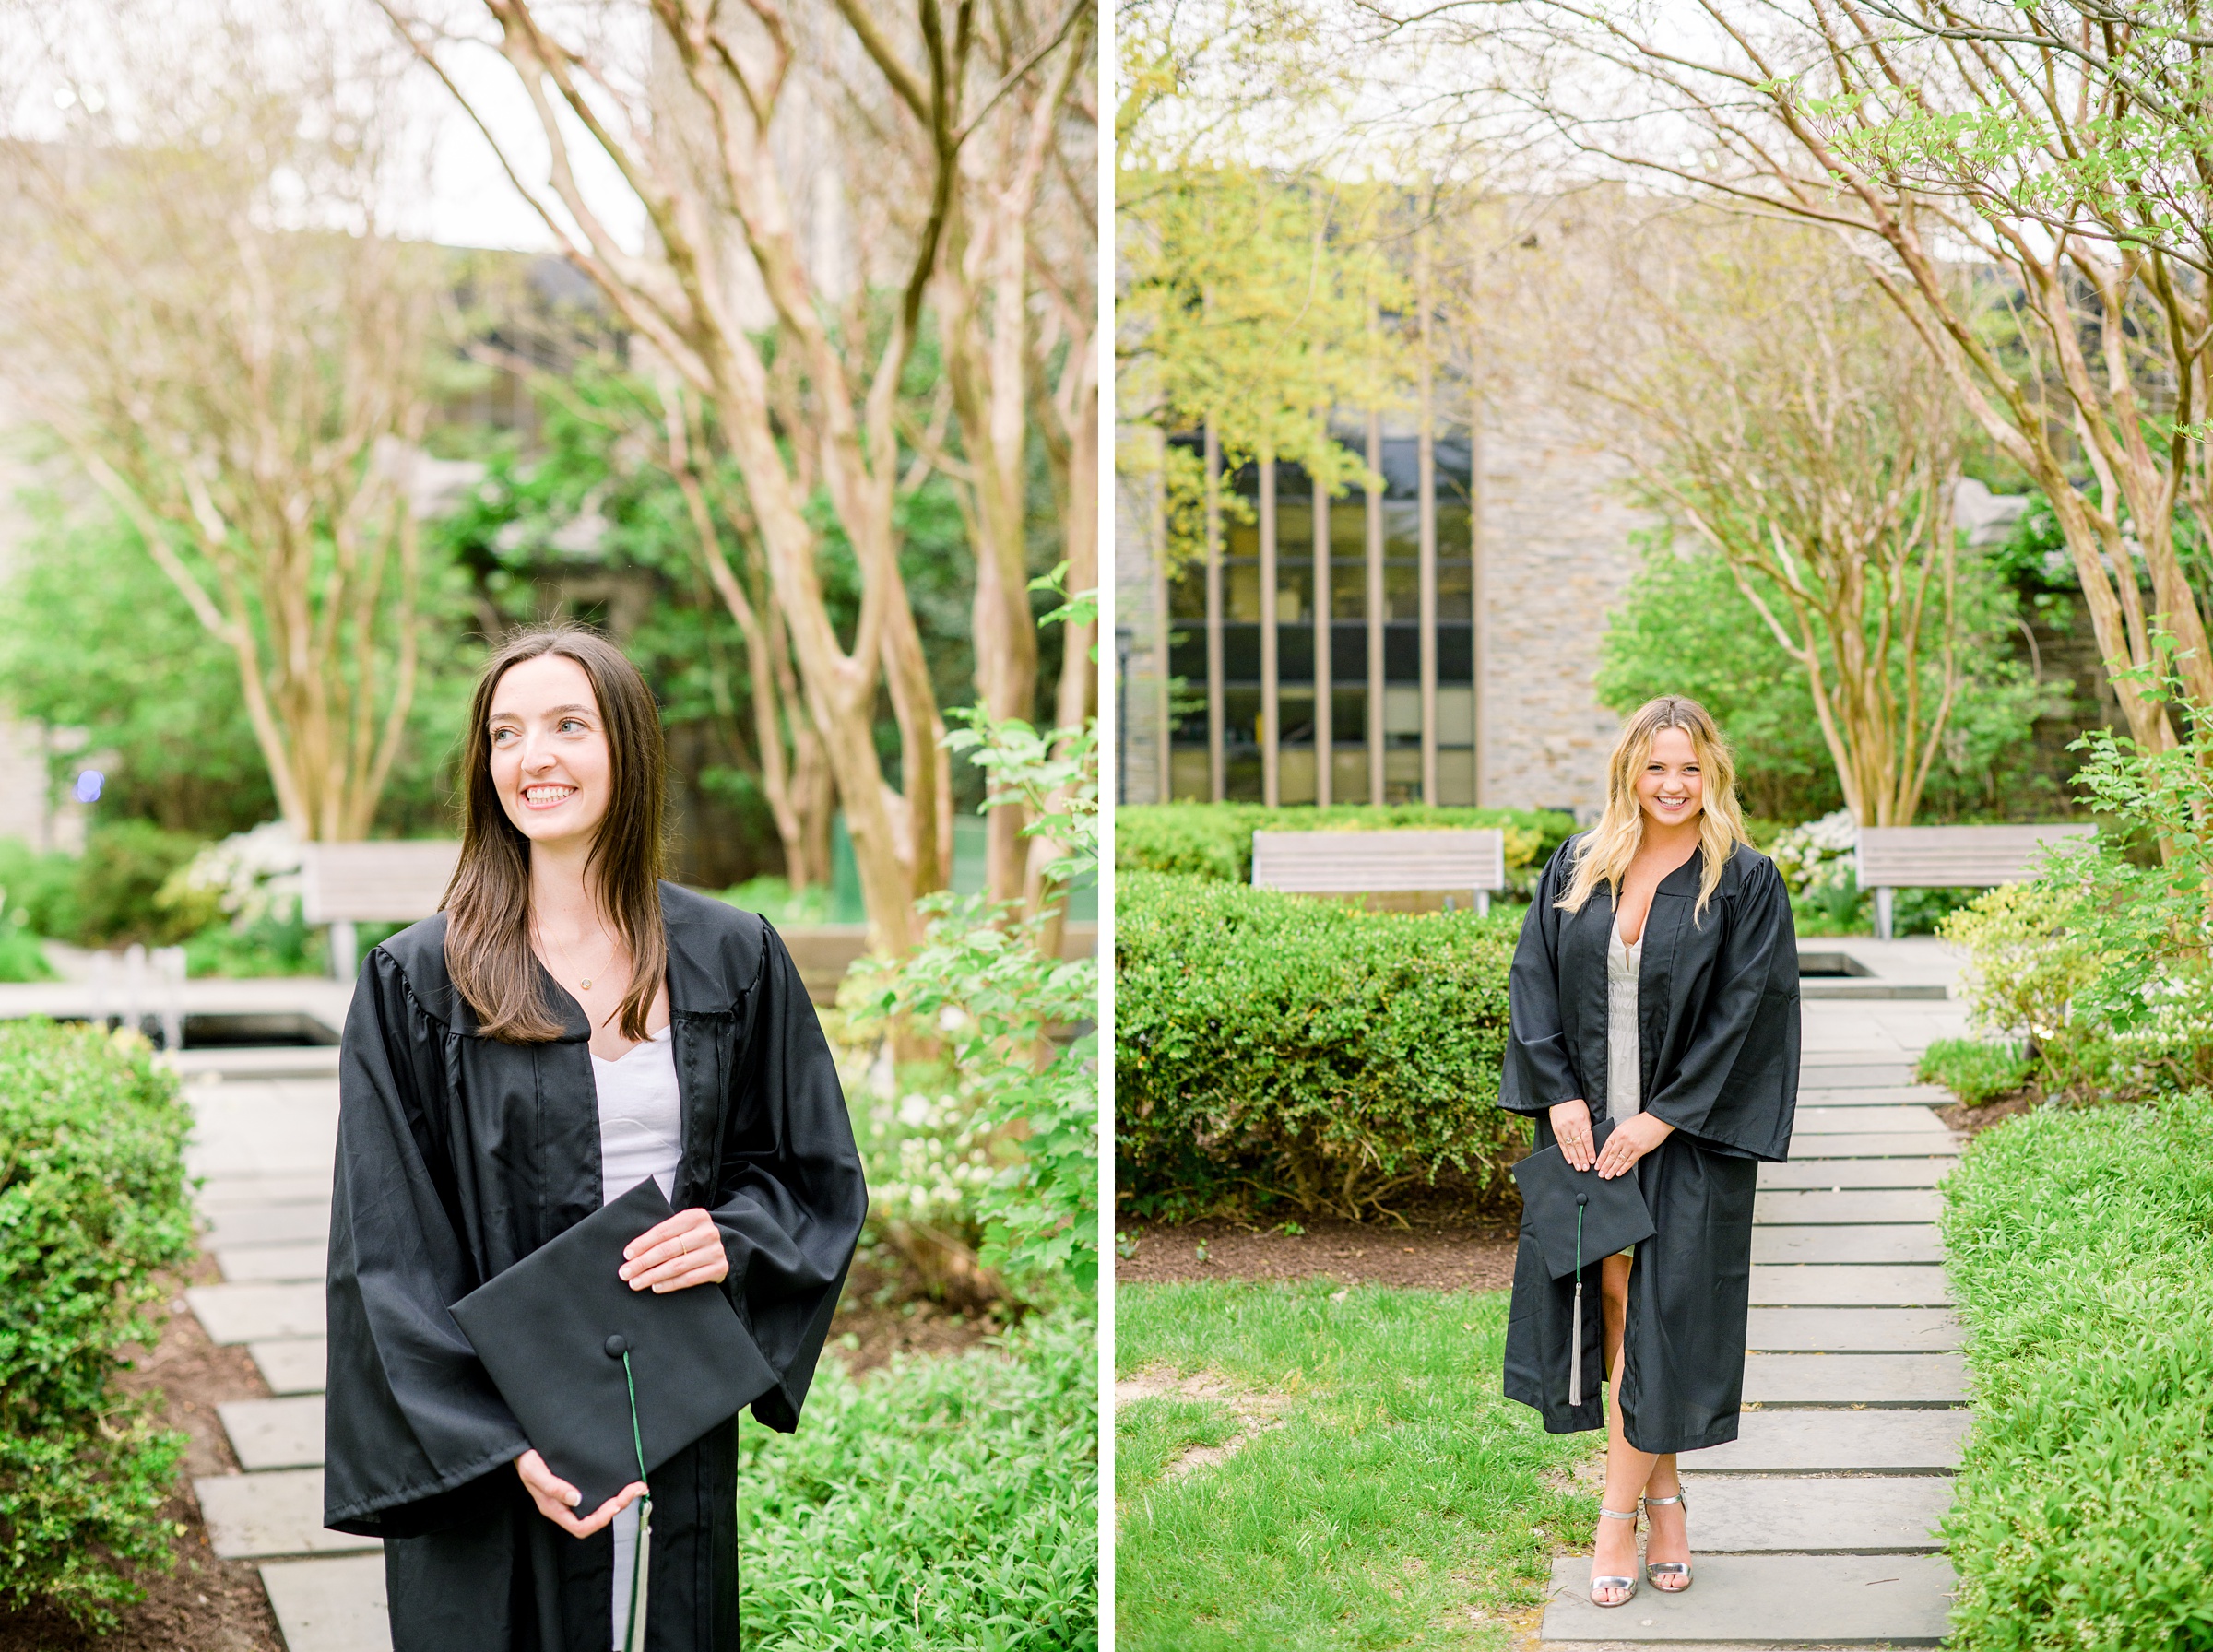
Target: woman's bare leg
{"x":1627,"y":1468}
{"x":1669,"y":1539}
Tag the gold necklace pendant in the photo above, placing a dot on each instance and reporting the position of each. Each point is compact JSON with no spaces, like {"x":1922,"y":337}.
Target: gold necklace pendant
{"x":585,"y":984}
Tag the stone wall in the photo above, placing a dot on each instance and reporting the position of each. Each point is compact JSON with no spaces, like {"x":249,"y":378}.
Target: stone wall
{"x":1555,"y":535}
{"x":1139,"y":661}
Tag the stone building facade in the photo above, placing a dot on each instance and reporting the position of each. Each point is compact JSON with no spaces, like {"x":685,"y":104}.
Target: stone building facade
{"x":1535,"y":552}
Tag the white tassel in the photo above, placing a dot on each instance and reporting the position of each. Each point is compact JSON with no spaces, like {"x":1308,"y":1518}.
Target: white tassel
{"x":1575,"y":1358}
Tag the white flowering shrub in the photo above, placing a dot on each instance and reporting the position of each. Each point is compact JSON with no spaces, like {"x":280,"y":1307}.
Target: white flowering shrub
{"x":1820,"y":855}
{"x":250,"y":877}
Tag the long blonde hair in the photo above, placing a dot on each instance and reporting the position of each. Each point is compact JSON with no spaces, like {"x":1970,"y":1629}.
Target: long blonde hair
{"x":1604,"y":855}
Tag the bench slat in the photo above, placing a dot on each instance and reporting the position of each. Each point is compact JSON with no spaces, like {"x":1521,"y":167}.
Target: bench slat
{"x":376,"y":882}
{"x":1955,"y":856}
{"x":1379,"y":862}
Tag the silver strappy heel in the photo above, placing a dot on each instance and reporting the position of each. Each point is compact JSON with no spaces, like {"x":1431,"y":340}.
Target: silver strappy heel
{"x":1654,"y":1570}
{"x":1628,"y":1584}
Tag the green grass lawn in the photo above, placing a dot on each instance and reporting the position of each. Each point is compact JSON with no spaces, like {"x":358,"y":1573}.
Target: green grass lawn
{"x":1381,"y":1492}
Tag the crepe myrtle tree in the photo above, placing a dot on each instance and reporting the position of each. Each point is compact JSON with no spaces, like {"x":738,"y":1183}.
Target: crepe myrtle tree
{"x":2058,"y":144}
{"x":685,"y":112}
{"x":203,"y":302}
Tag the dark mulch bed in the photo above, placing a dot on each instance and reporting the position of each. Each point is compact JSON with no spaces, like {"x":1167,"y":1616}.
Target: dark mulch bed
{"x":204,"y":1604}
{"x":1440,"y":1251}
{"x":882,"y":1313}
{"x":1973,"y":1121}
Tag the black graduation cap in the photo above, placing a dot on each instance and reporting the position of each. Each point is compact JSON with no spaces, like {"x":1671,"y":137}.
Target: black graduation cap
{"x":554,"y":1331}
{"x":1577,"y":1218}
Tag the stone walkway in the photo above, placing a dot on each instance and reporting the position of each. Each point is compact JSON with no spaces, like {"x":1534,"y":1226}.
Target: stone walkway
{"x":266,"y":1121}
{"x":1817,"y":1526}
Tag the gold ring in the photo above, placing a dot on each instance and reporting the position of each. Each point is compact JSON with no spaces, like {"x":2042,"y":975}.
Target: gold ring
{"x":683,"y":1243}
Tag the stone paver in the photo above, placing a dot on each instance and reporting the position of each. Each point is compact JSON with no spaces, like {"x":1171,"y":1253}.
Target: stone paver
{"x":1831,"y":1442}
{"x":1900,"y":1144}
{"x":1873,"y":1074}
{"x":1922,"y":1381}
{"x":272,"y":1264}
{"x":1823,"y":1600}
{"x":253,"y":1313}
{"x":1874,"y":1515}
{"x":1870,"y":1095}
{"x":334,"y":1605}
{"x":270,"y":1224}
{"x":292,"y":1364}
{"x":275,"y":1433}
{"x":1901,"y":1242}
{"x":1806,"y":1286}
{"x":1856,"y":1207}
{"x":1853,"y":1331}
{"x":258,"y":1516}
{"x":250,"y":1193}
{"x":1847,"y":1121}
{"x":1855,"y":1173}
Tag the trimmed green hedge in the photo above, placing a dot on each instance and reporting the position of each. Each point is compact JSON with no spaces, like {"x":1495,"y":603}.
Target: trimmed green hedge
{"x":1215,"y":840}
{"x":2080,"y":1244}
{"x":92,"y":1203}
{"x":1279,"y":1049}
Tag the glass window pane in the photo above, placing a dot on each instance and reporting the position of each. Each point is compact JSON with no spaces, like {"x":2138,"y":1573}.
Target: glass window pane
{"x":1403,"y":716}
{"x":1456,"y":778}
{"x":1296,"y":708}
{"x":1240,"y":538}
{"x":1455,"y":588}
{"x":1349,"y":526}
{"x":1241,"y":717}
{"x":1186,"y":593}
{"x":1402,"y":529}
{"x":1293,"y":531}
{"x":1348,"y":590}
{"x":1293,"y":593}
{"x":1401,"y":591}
{"x":1455,"y":717}
{"x":1242,"y":596}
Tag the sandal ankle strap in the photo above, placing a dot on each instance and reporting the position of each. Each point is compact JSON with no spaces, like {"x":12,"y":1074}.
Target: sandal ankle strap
{"x":1662,"y":1501}
{"x":1607,"y":1514}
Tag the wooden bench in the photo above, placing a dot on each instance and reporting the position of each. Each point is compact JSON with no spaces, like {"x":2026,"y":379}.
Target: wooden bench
{"x":1896,"y":858}
{"x":397,"y":883}
{"x":1364,"y":863}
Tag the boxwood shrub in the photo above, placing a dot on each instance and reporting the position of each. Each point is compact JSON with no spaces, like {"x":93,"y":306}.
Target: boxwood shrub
{"x":2080,"y":1243}
{"x":1280,"y":1049}
{"x":1215,"y":840}
{"x":92,"y":1203}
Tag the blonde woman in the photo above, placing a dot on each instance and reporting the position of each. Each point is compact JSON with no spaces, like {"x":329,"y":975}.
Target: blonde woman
{"x":1655,"y":987}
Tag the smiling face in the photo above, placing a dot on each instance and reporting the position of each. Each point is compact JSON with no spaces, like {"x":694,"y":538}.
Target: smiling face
{"x":1671,"y":788}
{"x":550,"y":763}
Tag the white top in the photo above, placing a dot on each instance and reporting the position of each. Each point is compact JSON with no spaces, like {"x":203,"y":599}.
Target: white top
{"x":641,"y":1117}
{"x":640,"y":1135}
{"x":1624,"y":1056}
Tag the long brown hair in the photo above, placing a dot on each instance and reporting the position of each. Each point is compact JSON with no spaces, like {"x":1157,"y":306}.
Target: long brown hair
{"x":1604,"y":855}
{"x":486,"y":905}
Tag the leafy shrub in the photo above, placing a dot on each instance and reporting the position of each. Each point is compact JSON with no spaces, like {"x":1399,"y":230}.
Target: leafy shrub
{"x":21,"y":956}
{"x":941,"y":1505}
{"x":782,"y":905}
{"x":38,"y":890}
{"x":1215,"y":840}
{"x":2079,"y":1241}
{"x":1974,"y":1069}
{"x":1278,"y":1046}
{"x":2028,"y":955}
{"x":126,"y":866}
{"x":92,"y":1202}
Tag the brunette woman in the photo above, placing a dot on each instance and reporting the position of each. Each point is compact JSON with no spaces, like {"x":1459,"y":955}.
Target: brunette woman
{"x":1656,"y":986}
{"x":567,"y":1026}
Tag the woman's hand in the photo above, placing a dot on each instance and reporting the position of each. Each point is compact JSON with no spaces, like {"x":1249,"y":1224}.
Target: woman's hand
{"x":683,"y":1251}
{"x":555,"y":1497}
{"x":1632,"y":1138}
{"x":1571,"y":1129}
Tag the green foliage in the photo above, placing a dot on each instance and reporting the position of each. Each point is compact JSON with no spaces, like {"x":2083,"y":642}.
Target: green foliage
{"x":1020,"y":1019}
{"x":270,"y":945}
{"x":1274,"y":1047}
{"x":125,"y":865}
{"x":941,"y":1505}
{"x":1974,"y":1069}
{"x":21,"y":956}
{"x":1684,"y":626}
{"x":1399,"y":1500}
{"x":38,"y":890}
{"x":92,"y":1203}
{"x":101,"y":640}
{"x":2078,"y":1245}
{"x":2027,"y":958}
{"x":776,"y":900}
{"x":1215,"y":840}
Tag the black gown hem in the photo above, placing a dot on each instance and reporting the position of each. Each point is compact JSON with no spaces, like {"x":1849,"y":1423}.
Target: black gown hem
{"x":356,"y":1519}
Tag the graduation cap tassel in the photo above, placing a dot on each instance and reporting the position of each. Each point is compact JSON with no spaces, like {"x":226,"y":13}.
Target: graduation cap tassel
{"x":634,"y":1636}
{"x":1575,"y":1356}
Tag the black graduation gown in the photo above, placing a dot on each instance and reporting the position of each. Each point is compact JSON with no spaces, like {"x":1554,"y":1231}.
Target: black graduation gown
{"x":1717,"y":1017}
{"x":458,"y":1155}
